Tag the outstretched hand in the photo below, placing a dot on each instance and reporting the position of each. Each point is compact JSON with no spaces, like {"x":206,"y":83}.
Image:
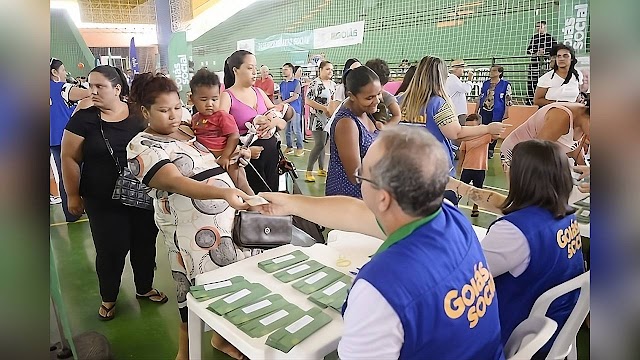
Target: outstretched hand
{"x":279,"y":204}
{"x":236,"y":198}
{"x":497,"y":128}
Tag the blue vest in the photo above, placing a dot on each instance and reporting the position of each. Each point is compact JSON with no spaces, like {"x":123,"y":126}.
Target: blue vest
{"x":59,"y":113}
{"x":437,"y":281}
{"x":556,"y":257}
{"x":434,"y":105}
{"x":286,"y":88}
{"x":498,"y":99}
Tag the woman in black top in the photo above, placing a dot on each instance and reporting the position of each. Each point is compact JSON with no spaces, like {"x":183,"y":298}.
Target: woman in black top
{"x":90,"y":173}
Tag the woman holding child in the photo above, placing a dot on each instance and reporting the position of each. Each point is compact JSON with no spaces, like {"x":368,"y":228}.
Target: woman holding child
{"x":194,"y":197}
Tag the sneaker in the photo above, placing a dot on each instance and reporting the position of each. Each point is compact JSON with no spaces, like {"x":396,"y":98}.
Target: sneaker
{"x":322,"y":173}
{"x":308,"y":177}
{"x":53,"y":200}
{"x":299,"y":152}
{"x":288,"y":151}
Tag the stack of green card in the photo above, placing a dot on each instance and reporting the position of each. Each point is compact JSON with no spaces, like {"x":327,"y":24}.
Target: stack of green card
{"x":333,"y":295}
{"x":214,"y":289}
{"x":282,"y":262}
{"x":266,"y":324}
{"x":298,"y":271}
{"x":286,"y":338}
{"x":263,"y":306}
{"x":247,"y":295}
{"x":583,"y":216}
{"x":317,"y":280}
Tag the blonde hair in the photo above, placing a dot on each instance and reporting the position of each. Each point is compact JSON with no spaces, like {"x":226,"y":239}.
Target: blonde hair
{"x":429,"y":80}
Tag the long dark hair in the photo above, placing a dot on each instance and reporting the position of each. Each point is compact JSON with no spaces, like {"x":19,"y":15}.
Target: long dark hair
{"x":115,"y":77}
{"x":407,"y":79}
{"x":539,"y":176}
{"x":234,"y":61}
{"x":347,"y":65}
{"x":54,"y":64}
{"x":146,"y":87}
{"x":572,"y":66}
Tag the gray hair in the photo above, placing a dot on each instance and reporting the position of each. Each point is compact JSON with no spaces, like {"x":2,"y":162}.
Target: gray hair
{"x":264,"y":67}
{"x":414,"y":169}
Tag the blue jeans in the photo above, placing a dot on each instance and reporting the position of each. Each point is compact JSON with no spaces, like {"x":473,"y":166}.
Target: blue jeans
{"x":55,"y":150}
{"x":294,"y":125}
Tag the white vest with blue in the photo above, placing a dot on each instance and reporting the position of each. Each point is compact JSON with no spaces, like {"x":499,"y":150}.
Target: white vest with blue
{"x":499,"y":105}
{"x":436,"y":279}
{"x":556,"y":256}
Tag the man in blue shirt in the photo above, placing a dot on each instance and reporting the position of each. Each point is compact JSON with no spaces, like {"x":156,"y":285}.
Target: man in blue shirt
{"x":291,"y":92}
{"x":427,"y":292}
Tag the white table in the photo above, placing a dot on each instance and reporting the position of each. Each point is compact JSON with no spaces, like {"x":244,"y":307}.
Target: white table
{"x":316,"y":346}
{"x":575,"y":196}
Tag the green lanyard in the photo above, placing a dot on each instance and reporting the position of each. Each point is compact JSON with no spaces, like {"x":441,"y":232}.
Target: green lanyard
{"x":405,"y":231}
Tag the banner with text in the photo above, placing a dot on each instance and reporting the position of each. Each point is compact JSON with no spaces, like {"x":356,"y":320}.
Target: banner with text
{"x":179,"y":62}
{"x":339,"y":35}
{"x":286,"y":42}
{"x":247,"y":44}
{"x":574,"y":19}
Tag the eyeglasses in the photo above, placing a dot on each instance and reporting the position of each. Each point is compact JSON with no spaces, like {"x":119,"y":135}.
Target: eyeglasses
{"x":360,"y":179}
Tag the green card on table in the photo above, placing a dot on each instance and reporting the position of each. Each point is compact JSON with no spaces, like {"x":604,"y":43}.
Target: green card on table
{"x":333,"y":295}
{"x":287,"y":337}
{"x":215,"y":289}
{"x":298,"y":271}
{"x":257,"y":309}
{"x":268,"y":323}
{"x":317,"y":280}
{"x":283,"y":261}
{"x":247,"y":295}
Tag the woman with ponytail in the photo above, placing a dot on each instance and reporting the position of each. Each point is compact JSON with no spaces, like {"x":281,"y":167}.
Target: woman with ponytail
{"x":244,"y":101}
{"x":90,"y":173}
{"x":562,"y":84}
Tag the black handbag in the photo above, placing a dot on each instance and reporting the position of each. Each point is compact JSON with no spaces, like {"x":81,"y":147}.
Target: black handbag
{"x":129,"y":190}
{"x":253,"y":230}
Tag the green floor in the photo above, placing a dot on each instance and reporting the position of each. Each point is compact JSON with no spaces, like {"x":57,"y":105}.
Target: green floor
{"x":144,"y":330}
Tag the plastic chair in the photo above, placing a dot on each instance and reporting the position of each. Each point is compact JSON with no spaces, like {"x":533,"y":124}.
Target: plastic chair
{"x":565,"y":343}
{"x":528,"y":337}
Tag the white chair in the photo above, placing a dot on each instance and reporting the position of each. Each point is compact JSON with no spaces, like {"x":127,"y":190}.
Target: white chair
{"x":565,"y":343}
{"x":528,"y":337}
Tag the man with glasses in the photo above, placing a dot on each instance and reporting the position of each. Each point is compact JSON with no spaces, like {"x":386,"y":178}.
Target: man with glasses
{"x":540,"y":46}
{"x":426,"y":292}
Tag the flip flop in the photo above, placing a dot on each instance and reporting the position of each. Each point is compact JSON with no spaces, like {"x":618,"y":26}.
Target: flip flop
{"x":154,"y":293}
{"x":109,"y":311}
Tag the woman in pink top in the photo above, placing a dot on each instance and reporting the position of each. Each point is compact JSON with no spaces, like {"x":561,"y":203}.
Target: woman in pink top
{"x":244,"y":101}
{"x":565,"y":123}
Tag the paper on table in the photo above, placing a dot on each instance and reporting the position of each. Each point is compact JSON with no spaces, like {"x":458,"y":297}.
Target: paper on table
{"x":256,"y":201}
{"x":297,"y":269}
{"x":302,"y":322}
{"x":316,"y":277}
{"x":274,"y":317}
{"x":237,"y":296}
{"x":217,"y":285}
{"x":257,"y":306}
{"x":283,"y":258}
{"x":334,"y":288}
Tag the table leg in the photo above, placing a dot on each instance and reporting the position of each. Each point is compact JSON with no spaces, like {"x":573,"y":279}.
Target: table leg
{"x":195,"y":336}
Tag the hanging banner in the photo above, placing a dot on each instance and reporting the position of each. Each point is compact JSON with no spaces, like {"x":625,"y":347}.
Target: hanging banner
{"x":286,"y":42}
{"x":133,"y":57}
{"x":574,"y":19}
{"x":247,"y":44}
{"x":339,"y":35}
{"x":179,"y":62}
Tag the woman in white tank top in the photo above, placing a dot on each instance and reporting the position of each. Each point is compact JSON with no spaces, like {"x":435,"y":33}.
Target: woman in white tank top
{"x":565,"y":123}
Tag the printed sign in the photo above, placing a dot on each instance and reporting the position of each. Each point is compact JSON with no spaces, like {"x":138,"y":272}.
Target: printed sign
{"x":339,"y":35}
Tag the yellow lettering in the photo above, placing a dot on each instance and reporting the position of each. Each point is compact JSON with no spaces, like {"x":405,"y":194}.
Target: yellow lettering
{"x":468,"y":289}
{"x":490,"y":291}
{"x":453,"y":305}
{"x":571,"y":248}
{"x":560,"y":239}
{"x":472,"y":316}
{"x":579,"y":241}
{"x":481,"y":306}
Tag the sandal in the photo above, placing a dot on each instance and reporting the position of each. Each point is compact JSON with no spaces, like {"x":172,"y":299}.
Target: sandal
{"x":154,"y":293}
{"x":109,"y":311}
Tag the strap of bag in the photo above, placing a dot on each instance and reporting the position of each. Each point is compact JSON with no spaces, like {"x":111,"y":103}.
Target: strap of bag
{"x":106,"y":141}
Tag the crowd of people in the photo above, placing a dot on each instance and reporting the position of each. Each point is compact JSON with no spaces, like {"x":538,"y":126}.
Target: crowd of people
{"x":391,"y":168}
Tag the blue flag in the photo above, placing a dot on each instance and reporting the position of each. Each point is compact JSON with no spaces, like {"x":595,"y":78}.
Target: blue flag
{"x":133,"y":57}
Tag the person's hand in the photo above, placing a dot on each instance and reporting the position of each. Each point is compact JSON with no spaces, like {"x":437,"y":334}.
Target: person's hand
{"x":279,"y":203}
{"x":583,"y":170}
{"x":244,"y":153}
{"x":470,"y":76}
{"x":263,"y":125}
{"x":75,"y":205}
{"x":255,"y":151}
{"x":584,"y":187}
{"x":327,"y":111}
{"x":224,"y":161}
{"x":497,"y":128}
{"x":236,"y":198}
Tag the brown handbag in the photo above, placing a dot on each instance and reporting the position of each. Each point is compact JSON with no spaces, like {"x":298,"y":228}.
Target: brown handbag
{"x":253,"y":230}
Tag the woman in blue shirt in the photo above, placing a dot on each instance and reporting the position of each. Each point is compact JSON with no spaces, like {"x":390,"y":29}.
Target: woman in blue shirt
{"x":352,"y":132}
{"x":63,"y":97}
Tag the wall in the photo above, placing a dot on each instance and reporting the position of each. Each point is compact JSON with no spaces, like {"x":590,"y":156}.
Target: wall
{"x":67,"y":45}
